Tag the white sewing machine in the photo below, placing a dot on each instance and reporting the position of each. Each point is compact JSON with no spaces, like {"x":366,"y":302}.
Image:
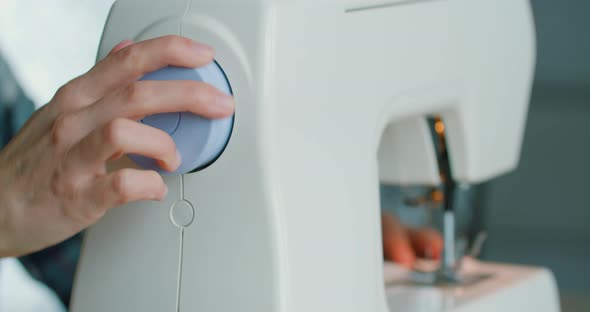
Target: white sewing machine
{"x":331,"y":96}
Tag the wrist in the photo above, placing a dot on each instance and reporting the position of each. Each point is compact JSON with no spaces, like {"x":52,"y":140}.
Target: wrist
{"x":7,"y":233}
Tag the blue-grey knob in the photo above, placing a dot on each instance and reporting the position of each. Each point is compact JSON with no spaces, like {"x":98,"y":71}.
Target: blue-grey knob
{"x":199,"y":140}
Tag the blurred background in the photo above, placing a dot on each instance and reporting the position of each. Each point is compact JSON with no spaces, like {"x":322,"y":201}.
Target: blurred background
{"x":540,"y":214}
{"x":537,"y":215}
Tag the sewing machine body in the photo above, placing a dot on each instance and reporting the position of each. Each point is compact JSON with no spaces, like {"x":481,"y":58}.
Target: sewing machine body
{"x":330,"y":98}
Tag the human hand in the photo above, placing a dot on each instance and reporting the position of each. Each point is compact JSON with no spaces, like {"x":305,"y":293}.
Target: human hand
{"x":404,"y":244}
{"x":53,"y":175}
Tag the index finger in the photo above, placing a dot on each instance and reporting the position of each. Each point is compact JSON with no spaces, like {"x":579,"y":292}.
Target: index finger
{"x":135,"y":60}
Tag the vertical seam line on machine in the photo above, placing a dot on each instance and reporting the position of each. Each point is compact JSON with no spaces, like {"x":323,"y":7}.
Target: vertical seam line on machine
{"x":181,"y":247}
{"x":184,"y":15}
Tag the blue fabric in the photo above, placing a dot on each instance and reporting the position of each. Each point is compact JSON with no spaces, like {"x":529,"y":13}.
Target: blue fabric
{"x":56,"y":265}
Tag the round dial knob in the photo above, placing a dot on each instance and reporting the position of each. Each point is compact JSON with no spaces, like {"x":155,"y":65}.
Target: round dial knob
{"x":199,"y":140}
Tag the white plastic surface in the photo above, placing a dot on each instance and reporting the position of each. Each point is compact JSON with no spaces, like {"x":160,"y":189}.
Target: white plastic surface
{"x":406,"y":154}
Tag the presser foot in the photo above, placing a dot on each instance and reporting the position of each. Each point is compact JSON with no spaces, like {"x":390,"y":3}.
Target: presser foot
{"x":449,"y":271}
{"x":477,"y":287}
{"x":446,"y":278}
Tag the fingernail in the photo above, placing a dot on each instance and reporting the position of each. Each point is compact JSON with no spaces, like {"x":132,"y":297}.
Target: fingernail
{"x":202,"y":49}
{"x":225,"y":101}
{"x":158,"y":196}
{"x":162,"y":196}
{"x":178,"y":159}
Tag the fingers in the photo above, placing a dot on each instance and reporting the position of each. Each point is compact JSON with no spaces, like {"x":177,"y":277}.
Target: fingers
{"x":123,"y":136}
{"x":403,"y":244}
{"x":135,"y":60}
{"x":144,"y":98}
{"x":427,"y":243}
{"x":110,"y":89}
{"x":396,"y":243}
{"x":124,"y":186}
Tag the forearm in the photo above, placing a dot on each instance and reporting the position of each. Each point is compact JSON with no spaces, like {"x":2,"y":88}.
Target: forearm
{"x":8,"y":233}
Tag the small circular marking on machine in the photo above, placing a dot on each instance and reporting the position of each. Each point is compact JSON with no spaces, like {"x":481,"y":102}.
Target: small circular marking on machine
{"x":200,"y":141}
{"x":182,"y":213}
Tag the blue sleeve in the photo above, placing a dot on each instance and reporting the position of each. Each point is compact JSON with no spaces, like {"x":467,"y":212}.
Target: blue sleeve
{"x":15,"y":106}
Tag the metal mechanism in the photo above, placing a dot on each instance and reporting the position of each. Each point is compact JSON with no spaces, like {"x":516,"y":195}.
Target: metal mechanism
{"x":449,"y":186}
{"x":444,"y":196}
